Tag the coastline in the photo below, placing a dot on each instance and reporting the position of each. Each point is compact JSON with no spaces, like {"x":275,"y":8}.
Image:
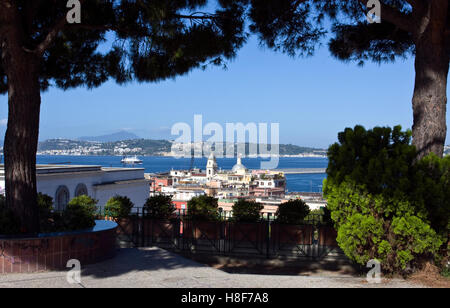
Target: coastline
{"x":307,"y":155}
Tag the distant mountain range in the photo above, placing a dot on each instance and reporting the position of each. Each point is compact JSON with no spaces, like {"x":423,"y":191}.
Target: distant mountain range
{"x":122,"y":135}
{"x":143,"y":147}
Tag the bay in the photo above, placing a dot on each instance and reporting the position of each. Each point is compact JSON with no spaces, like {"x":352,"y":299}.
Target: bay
{"x":155,"y":164}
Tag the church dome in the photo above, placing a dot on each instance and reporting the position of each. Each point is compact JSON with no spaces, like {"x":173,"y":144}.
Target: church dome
{"x":239,"y":167}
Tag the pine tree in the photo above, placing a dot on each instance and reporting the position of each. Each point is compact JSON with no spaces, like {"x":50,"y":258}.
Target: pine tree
{"x":73,"y":43}
{"x":417,"y":28}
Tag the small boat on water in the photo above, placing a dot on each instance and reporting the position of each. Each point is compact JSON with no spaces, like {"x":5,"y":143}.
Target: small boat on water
{"x":131,"y":160}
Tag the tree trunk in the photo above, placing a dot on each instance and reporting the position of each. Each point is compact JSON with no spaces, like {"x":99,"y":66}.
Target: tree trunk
{"x":430,"y":91}
{"x":21,"y":138}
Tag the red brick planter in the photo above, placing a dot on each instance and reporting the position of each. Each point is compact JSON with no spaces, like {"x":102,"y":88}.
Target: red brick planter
{"x":157,"y":228}
{"x":52,"y":251}
{"x":292,"y":234}
{"x":202,"y":229}
{"x":327,"y":236}
{"x":241,"y":231}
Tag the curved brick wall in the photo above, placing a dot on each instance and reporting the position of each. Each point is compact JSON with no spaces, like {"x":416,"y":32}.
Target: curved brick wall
{"x":52,"y":251}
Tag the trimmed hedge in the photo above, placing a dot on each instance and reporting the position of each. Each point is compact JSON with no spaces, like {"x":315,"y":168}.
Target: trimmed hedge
{"x":247,"y":211}
{"x":80,"y":213}
{"x":118,"y":207}
{"x":292,"y":212}
{"x":384,"y":204}
{"x":159,"y":206}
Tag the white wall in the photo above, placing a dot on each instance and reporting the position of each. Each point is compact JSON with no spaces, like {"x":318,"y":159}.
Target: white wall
{"x":48,"y":184}
{"x":137,"y":192}
{"x":97,"y":184}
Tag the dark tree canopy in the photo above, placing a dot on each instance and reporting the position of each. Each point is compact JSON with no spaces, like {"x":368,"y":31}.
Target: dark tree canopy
{"x":44,"y":44}
{"x":297,"y":27}
{"x":143,"y":40}
{"x":418,"y":28}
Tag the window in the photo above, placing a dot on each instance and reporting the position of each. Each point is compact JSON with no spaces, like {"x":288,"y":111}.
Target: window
{"x":62,"y":198}
{"x":80,"y":190}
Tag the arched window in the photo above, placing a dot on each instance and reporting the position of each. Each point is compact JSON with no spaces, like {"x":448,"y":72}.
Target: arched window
{"x":62,"y":198}
{"x":80,"y":190}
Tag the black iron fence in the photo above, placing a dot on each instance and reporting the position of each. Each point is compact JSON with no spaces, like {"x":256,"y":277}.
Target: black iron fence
{"x":313,"y":239}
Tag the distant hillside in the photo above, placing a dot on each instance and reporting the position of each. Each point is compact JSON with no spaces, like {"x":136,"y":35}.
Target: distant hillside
{"x":122,"y":135}
{"x":126,"y":147}
{"x":145,"y":147}
{"x":290,"y":149}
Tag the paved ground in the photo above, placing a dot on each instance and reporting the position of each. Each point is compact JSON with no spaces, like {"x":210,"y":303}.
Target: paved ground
{"x":154,"y":267}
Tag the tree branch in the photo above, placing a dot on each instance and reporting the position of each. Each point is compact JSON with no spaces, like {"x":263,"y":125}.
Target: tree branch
{"x":193,"y":16}
{"x":42,"y":47}
{"x":59,"y":25}
{"x":395,"y":17}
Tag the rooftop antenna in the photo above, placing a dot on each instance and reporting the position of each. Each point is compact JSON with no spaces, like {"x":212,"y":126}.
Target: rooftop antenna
{"x":192,"y":160}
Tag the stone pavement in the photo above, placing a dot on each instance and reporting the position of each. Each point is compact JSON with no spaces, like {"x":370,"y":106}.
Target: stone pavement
{"x":154,"y":267}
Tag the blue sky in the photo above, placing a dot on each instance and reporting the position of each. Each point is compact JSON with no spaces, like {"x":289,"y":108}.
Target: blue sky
{"x":312,"y":99}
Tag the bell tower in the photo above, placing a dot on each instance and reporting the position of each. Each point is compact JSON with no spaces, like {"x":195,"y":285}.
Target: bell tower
{"x":211,"y":166}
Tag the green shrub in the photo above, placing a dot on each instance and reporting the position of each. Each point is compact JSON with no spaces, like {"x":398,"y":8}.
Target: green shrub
{"x":292,"y":212}
{"x":159,"y":206}
{"x":247,"y":211}
{"x":432,"y":189}
{"x":9,"y":224}
{"x":326,"y":216}
{"x":48,"y":220}
{"x":80,"y":213}
{"x":384,"y":204}
{"x":445,"y":272}
{"x":320,"y":216}
{"x":45,"y":203}
{"x":203,"y":208}
{"x":118,"y":207}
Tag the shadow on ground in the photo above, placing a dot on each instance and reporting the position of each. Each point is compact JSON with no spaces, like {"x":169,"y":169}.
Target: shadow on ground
{"x":260,"y":266}
{"x":129,"y":260}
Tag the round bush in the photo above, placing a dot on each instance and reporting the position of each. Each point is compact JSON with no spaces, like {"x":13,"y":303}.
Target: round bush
{"x":159,"y":206}
{"x":203,"y":208}
{"x":48,"y":220}
{"x":247,"y":211}
{"x":118,"y":207}
{"x":292,"y":212}
{"x":80,"y":213}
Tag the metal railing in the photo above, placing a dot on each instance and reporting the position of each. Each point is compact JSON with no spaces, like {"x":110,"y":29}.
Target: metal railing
{"x":182,"y":232}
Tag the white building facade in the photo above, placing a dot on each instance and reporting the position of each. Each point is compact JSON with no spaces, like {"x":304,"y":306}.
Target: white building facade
{"x":63,"y":183}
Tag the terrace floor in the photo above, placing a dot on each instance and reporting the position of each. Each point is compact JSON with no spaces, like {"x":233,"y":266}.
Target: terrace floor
{"x":154,"y":267}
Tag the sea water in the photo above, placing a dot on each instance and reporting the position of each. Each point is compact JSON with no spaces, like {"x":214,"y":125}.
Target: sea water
{"x":154,"y":164}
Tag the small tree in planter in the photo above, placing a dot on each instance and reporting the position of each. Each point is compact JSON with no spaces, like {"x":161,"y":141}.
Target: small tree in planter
{"x":118,"y":207}
{"x":48,"y":220}
{"x":203,"y":208}
{"x":247,"y":211}
{"x":159,"y":219}
{"x":8,"y":223}
{"x":159,"y":206}
{"x":80,"y":213}
{"x":204,"y":212}
{"x":292,"y":212}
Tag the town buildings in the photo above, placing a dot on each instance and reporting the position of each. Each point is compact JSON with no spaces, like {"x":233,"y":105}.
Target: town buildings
{"x":267,"y":187}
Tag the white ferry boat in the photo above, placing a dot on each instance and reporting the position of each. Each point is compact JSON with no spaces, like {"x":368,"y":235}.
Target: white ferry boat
{"x":131,"y":160}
